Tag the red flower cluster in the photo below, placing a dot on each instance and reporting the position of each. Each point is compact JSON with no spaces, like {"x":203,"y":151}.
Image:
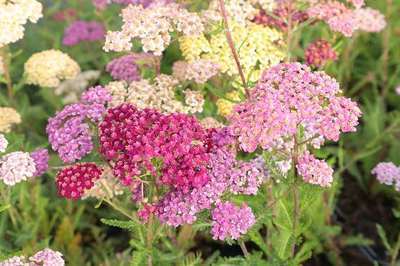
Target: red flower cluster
{"x":171,"y":147}
{"x":74,"y":180}
{"x":319,"y":52}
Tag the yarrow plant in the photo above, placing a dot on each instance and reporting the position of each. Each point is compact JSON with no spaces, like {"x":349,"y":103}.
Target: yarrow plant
{"x":195,"y":121}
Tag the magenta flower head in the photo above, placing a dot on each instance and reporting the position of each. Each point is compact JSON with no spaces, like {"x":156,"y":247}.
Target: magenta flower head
{"x":134,"y":139}
{"x":41,"y":159}
{"x":80,"y":31}
{"x":74,"y":180}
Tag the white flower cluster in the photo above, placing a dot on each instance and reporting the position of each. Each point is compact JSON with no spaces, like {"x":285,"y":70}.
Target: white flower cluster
{"x":152,"y":26}
{"x":14,"y":15}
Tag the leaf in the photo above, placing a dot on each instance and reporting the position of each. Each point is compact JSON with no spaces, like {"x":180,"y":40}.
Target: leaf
{"x":256,"y":237}
{"x":128,"y":225}
{"x":138,"y":258}
{"x":5,"y":207}
{"x":382,"y":235}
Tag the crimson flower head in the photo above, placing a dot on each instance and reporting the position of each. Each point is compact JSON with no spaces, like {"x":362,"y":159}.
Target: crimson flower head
{"x":74,"y":180}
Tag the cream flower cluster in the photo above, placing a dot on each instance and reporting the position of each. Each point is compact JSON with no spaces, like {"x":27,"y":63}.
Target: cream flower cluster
{"x":49,"y":68}
{"x":241,"y":11}
{"x":258,"y":47}
{"x":152,"y":26}
{"x":159,"y":95}
{"x":198,"y":71}
{"x":8,"y":117}
{"x":14,"y":15}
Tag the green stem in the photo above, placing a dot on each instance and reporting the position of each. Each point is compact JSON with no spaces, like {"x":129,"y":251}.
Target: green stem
{"x":119,"y":209}
{"x":243,"y":247}
{"x":395,"y":252}
{"x":149,"y":240}
{"x":5,"y":54}
{"x":296,"y":203}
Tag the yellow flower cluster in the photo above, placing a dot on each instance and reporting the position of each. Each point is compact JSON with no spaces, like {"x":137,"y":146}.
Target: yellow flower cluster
{"x":225,"y":106}
{"x":259,"y":48}
{"x":14,"y":15}
{"x":8,"y":117}
{"x":49,"y":68}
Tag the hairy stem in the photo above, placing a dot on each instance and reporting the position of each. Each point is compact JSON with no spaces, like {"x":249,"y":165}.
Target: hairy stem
{"x":119,"y":209}
{"x":149,"y":240}
{"x":386,"y":48}
{"x":232,"y":45}
{"x":296,"y":201}
{"x":243,"y":247}
{"x":289,"y":34}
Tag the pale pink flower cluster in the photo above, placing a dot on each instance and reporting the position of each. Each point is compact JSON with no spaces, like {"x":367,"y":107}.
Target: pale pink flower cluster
{"x":231,"y":221}
{"x":152,"y":26}
{"x":199,"y":71}
{"x":387,"y":173}
{"x":347,"y":20}
{"x":3,"y":143}
{"x":289,"y":97}
{"x":314,"y":171}
{"x":16,"y":167}
{"x":45,"y":257}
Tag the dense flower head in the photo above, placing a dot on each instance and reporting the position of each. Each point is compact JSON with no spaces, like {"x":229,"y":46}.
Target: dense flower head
{"x":319,"y":52}
{"x":73,"y":181}
{"x":346,"y":20}
{"x":14,"y":15}
{"x":387,"y":173}
{"x":152,"y":26}
{"x":240,"y":11}
{"x":290,"y":96}
{"x":71,"y":89}
{"x":16,"y":167}
{"x":158,"y":95}
{"x":124,"y":68}
{"x":69,"y":134}
{"x":260,"y":48}
{"x":199,"y":71}
{"x":14,"y":261}
{"x":227,"y":175}
{"x":49,"y":68}
{"x":134,"y":138}
{"x":314,"y":171}
{"x":41,"y":158}
{"x":96,"y":95}
{"x":8,"y":117}
{"x":47,"y":257}
{"x":3,"y":143}
{"x":81,"y":31}
{"x":231,"y":221}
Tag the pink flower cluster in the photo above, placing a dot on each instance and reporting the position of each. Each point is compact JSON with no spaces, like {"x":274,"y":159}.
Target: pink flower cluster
{"x":45,"y":257}
{"x":124,"y":68}
{"x":346,"y":20}
{"x":287,"y":96}
{"x":314,"y":171}
{"x":290,"y":96}
{"x":134,"y":139}
{"x":80,"y":31}
{"x":41,"y":158}
{"x":319,"y":53}
{"x":388,"y":173}
{"x":69,"y":133}
{"x":74,"y":180}
{"x":231,"y":221}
